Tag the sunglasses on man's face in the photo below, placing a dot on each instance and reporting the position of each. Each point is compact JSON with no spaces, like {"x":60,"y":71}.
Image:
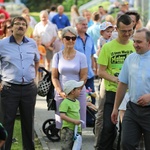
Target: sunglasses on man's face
{"x":68,"y":38}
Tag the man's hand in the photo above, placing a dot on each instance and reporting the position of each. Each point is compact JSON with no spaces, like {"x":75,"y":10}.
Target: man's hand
{"x":115,"y":80}
{"x":114,"y":116}
{"x":144,"y":100}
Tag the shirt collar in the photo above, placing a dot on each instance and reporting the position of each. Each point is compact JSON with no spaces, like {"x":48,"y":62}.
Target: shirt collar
{"x":146,"y":53}
{"x":85,"y":35}
{"x":13,"y":40}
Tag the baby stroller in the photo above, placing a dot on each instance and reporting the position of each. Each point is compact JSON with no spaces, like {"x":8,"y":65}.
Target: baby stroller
{"x":91,"y":108}
{"x":49,"y":126}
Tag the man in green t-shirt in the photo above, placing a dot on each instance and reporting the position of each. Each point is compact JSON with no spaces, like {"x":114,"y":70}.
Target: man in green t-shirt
{"x":69,"y":113}
{"x":111,"y":59}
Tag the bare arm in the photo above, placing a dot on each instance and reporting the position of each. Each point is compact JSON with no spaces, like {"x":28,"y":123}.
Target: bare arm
{"x":1,"y":143}
{"x":98,"y":50}
{"x":103,"y":74}
{"x":36,"y":67}
{"x":56,"y":83}
{"x":121,"y":90}
{"x":68,"y":119}
{"x":83,"y":74}
{"x":51,"y":42}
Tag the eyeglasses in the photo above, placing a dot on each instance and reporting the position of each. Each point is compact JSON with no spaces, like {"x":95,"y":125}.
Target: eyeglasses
{"x":68,"y":38}
{"x":126,"y":31}
{"x":19,"y":24}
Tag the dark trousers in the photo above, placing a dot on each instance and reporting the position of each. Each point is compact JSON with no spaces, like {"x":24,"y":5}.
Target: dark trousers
{"x":24,"y":97}
{"x":136,"y":122}
{"x":89,"y":115}
{"x":109,"y":132}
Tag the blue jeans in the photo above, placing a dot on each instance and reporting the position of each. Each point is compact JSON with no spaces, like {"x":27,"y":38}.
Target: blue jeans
{"x":109,"y":131}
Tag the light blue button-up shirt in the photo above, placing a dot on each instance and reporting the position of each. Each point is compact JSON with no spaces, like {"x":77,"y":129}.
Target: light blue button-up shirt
{"x":136,"y":73}
{"x":86,"y":48}
{"x":94,"y":32}
{"x":18,"y":60}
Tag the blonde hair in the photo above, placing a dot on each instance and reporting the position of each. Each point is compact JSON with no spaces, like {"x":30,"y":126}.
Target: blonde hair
{"x":74,"y":8}
{"x":110,"y":18}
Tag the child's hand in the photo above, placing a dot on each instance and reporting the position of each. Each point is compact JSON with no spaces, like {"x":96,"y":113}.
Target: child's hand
{"x":77,"y":122}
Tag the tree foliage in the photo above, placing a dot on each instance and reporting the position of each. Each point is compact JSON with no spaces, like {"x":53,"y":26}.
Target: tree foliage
{"x":38,"y":5}
{"x":68,"y":3}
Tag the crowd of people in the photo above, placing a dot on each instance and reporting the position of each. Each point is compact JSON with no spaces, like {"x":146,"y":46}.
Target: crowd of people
{"x":76,"y":51}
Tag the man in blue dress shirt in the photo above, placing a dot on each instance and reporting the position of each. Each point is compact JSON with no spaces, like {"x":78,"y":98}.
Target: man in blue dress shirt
{"x":135,"y":76}
{"x":60,"y":19}
{"x":85,"y":44}
{"x":19,"y":59}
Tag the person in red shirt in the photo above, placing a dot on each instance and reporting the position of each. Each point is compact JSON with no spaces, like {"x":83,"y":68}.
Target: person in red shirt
{"x":3,"y":10}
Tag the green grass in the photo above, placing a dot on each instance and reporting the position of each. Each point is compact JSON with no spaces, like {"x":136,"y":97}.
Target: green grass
{"x":105,"y":4}
{"x":17,"y":134}
{"x":35,"y":15}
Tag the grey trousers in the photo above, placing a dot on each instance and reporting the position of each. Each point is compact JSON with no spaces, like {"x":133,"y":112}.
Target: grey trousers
{"x":24,"y":97}
{"x":136,"y":122}
{"x":99,"y":117}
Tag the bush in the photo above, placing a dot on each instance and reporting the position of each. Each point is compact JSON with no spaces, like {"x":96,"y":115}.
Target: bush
{"x":68,"y":3}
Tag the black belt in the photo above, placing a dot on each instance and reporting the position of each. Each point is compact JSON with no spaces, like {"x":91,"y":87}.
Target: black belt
{"x":132,"y":103}
{"x":13,"y":84}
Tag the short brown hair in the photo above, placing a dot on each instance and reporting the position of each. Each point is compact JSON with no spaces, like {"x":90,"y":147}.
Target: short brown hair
{"x":20,"y":19}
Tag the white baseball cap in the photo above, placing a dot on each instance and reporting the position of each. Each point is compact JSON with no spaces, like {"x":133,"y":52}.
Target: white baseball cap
{"x":105,"y":25}
{"x":72,"y":84}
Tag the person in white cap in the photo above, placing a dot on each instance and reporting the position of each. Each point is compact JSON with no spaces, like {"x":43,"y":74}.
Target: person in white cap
{"x":106,"y":29}
{"x":69,"y":113}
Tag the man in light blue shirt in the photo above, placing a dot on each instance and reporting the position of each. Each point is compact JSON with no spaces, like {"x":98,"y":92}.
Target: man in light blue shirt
{"x":94,"y":30}
{"x":19,"y":59}
{"x":135,"y":75}
{"x":85,"y":44}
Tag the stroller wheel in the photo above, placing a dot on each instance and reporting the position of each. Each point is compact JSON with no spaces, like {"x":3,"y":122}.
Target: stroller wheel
{"x":46,"y":124}
{"x":52,"y":133}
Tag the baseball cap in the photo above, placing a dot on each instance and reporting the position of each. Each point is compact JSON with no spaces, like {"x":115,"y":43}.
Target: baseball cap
{"x":105,"y":25}
{"x":71,"y":84}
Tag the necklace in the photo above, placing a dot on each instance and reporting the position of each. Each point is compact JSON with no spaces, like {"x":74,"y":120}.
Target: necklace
{"x":69,"y":57}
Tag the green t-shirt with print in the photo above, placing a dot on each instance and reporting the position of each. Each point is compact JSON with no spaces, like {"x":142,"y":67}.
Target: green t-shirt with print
{"x":71,"y":109}
{"x":113,"y":55}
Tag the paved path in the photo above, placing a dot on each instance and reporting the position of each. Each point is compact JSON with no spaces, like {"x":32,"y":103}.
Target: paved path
{"x":42,"y":114}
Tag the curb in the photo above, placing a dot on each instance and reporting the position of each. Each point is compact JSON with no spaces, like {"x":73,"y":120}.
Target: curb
{"x":40,"y":136}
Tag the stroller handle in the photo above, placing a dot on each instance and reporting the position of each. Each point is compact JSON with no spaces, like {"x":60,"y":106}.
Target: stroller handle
{"x":44,"y":69}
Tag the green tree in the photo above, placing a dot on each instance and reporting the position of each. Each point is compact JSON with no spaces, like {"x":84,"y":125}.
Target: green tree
{"x":38,"y":5}
{"x":68,"y":3}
